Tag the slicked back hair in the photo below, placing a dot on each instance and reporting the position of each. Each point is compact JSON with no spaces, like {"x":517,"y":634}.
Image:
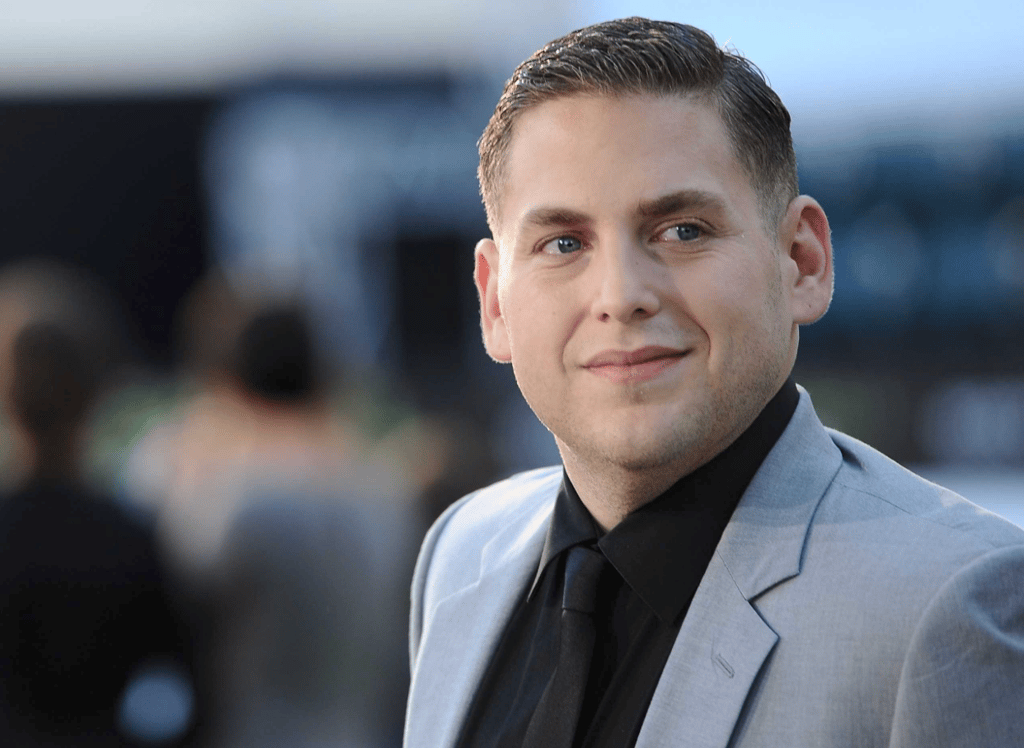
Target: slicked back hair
{"x":638,"y":56}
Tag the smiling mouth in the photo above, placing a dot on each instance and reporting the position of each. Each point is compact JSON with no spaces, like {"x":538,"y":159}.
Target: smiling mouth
{"x":641,"y":365}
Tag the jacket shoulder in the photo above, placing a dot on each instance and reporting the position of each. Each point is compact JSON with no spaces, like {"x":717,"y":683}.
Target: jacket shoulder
{"x":477,"y":517}
{"x":875,"y":480}
{"x":454,"y":547}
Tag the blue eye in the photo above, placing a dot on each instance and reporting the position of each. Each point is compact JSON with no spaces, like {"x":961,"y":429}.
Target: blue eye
{"x":563,"y":245}
{"x":683,"y":232}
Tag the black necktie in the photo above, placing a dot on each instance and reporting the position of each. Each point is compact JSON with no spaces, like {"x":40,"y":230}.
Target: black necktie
{"x":553,"y":724}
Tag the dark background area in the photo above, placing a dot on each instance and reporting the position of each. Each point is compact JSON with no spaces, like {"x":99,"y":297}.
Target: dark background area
{"x":112,"y":186}
{"x":116,"y":186}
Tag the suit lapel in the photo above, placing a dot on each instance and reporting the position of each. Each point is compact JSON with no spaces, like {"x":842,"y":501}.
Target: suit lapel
{"x":465,"y":628}
{"x":724,"y":642}
{"x":717,"y":655}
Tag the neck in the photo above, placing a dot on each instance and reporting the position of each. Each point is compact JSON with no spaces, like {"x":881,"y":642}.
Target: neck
{"x":610,"y":492}
{"x":610,"y":500}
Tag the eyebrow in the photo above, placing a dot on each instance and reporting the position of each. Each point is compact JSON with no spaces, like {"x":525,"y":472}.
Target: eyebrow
{"x":679,"y":201}
{"x":647,"y":209}
{"x":548,"y":217}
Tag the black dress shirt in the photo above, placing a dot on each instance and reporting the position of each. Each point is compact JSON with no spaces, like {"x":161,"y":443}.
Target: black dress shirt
{"x":659,"y":554}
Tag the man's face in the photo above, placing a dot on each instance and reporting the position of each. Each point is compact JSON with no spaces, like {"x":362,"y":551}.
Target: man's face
{"x":632,"y":284}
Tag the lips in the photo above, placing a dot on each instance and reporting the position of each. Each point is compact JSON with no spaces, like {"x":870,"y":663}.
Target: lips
{"x":640,"y":365}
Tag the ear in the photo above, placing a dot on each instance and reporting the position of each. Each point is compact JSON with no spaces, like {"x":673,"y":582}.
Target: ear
{"x":808,"y":261}
{"x":485,"y":274}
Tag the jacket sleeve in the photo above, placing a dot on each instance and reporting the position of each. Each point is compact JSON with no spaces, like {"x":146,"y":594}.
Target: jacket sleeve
{"x":962,"y":683}
{"x":421,"y":578}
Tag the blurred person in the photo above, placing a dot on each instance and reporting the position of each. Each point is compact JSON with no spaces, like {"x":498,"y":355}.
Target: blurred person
{"x":459,"y":459}
{"x":709,"y":566}
{"x":91,"y":651}
{"x":301,"y":548}
{"x":44,"y":290}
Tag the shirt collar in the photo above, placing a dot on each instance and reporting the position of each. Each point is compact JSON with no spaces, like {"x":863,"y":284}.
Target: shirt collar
{"x":662,"y":549}
{"x":571,"y":524}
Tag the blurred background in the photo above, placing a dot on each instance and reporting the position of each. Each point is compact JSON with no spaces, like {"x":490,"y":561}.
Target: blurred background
{"x":225,"y":170}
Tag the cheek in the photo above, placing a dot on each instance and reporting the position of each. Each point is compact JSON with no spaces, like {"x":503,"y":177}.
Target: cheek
{"x":538,"y":320}
{"x":739,"y":315}
{"x":526,"y":320}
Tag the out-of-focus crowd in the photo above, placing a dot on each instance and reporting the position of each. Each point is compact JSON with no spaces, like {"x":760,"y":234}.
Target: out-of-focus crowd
{"x":217,"y":557}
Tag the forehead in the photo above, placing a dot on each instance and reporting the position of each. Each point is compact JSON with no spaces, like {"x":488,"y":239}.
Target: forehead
{"x":616,"y":151}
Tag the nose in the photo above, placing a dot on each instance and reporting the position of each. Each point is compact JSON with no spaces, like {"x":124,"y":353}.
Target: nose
{"x":626,"y":281}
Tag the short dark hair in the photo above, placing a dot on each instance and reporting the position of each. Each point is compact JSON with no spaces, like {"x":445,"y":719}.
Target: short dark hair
{"x":636,"y":56}
{"x":276,"y":356}
{"x":53,"y":383}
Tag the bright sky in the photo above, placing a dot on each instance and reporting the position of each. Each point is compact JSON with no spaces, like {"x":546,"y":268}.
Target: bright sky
{"x":944,"y":59}
{"x":941,"y":61}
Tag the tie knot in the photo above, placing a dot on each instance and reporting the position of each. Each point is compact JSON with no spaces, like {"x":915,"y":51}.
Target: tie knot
{"x":583,"y":569}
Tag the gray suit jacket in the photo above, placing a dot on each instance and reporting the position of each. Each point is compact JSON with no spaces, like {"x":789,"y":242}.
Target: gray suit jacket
{"x":849,"y":603}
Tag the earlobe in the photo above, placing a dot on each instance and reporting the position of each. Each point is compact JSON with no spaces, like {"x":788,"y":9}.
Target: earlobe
{"x":810,"y":254}
{"x":492,"y":322}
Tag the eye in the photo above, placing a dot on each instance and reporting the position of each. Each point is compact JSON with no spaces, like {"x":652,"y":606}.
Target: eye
{"x":681,"y":232}
{"x":562,"y":245}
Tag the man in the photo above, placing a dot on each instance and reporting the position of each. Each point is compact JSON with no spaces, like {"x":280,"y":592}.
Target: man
{"x":760,"y":580}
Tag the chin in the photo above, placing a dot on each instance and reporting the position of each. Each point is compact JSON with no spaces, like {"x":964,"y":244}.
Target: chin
{"x":658,"y":457}
{"x":637,"y":453}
